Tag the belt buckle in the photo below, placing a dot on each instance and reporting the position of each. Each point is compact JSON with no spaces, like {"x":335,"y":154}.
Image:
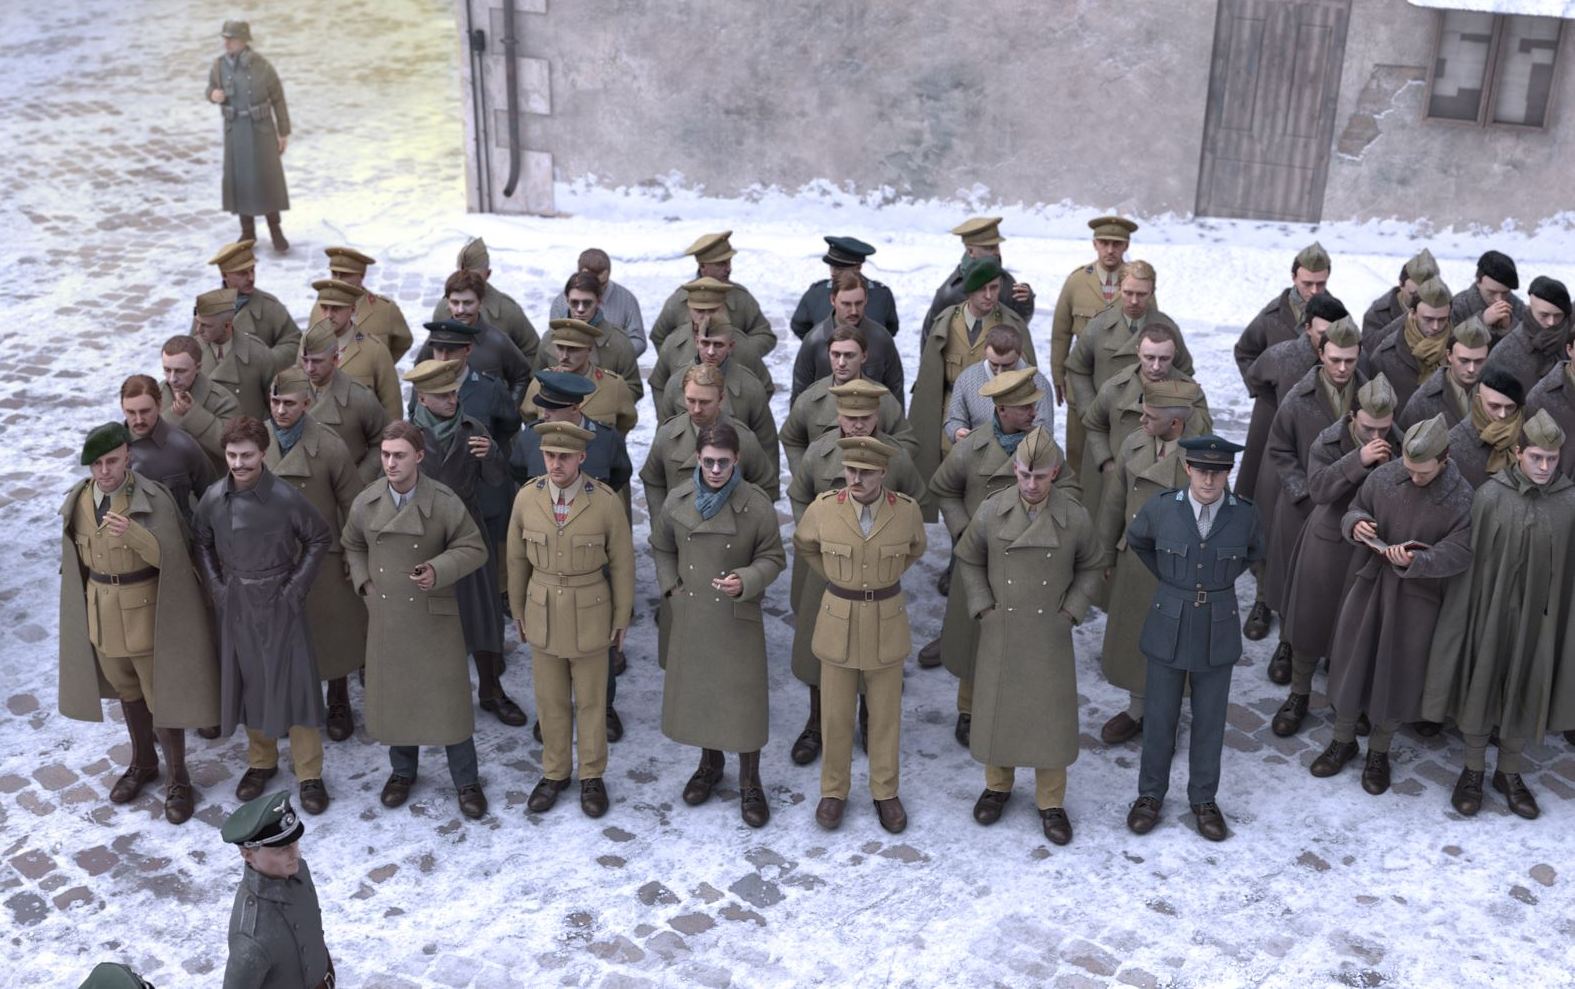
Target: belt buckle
{"x":1201,"y":599}
{"x":114,"y":579}
{"x":869,"y":596}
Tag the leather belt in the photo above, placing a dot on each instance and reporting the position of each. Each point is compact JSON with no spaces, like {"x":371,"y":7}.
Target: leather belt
{"x":134,"y":577}
{"x":878,"y":594}
{"x":1201,"y":595}
{"x":251,"y":111}
{"x":568,"y":579}
{"x":269,"y":574}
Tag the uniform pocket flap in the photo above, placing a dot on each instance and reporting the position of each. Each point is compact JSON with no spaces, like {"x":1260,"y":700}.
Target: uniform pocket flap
{"x":1177,"y":546}
{"x":1231,"y":552}
{"x":1168,"y":606}
{"x":589,"y":542}
{"x":836,"y":549}
{"x":838,"y":607}
{"x":887,"y":552}
{"x":531,"y":536}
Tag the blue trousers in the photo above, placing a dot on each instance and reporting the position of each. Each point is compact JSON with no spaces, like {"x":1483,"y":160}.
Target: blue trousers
{"x":462,"y":764}
{"x":1162,"y":712}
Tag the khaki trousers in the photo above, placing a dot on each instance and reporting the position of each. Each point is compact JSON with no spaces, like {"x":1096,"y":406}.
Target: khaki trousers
{"x":839,"y":698}
{"x":1049,"y":784}
{"x":571,"y":699}
{"x":965,"y":696}
{"x":306,"y":752}
{"x":131,"y":676}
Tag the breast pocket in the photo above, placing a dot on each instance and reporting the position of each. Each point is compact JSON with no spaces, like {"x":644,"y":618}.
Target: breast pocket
{"x":1170,"y":558}
{"x":536,"y":548}
{"x":1080,"y":317}
{"x":892,"y":558}
{"x":588,"y":553}
{"x":837,"y":558}
{"x":1229,"y":562}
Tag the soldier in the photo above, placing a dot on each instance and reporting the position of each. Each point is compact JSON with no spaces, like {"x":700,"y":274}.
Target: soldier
{"x":240,"y":364}
{"x":968,"y":410}
{"x":1491,"y":296}
{"x":1412,"y":349}
{"x":112,"y":975}
{"x":860,"y":540}
{"x":308,"y":455}
{"x":572,"y":344}
{"x":882,"y":363}
{"x":705,"y":298}
{"x":1340,"y":459}
{"x":1537,"y":342}
{"x":465,"y":459}
{"x":159,"y":453}
{"x":258,"y":544}
{"x":671,"y":457}
{"x":609,"y":345}
{"x":1027,"y":699}
{"x":375,"y":315}
{"x":133,"y":622}
{"x":982,"y":240}
{"x":1411,"y":521}
{"x":1499,"y":654}
{"x":1483,"y":443}
{"x":256,"y":131}
{"x":1086,"y":293}
{"x":844,"y":254}
{"x":417,"y":680}
{"x":814,"y":411}
{"x":714,"y":560}
{"x":561,"y":396}
{"x":569,"y":534}
{"x":490,"y":307}
{"x":744,"y":399}
{"x":1148,"y":463}
{"x":1275,"y":323}
{"x":1210,"y":539}
{"x":1556,"y":393}
{"x":1448,"y":390}
{"x":713,"y":254}
{"x":617,"y":303}
{"x":363,"y":358}
{"x":189,"y":399}
{"x":1396,"y":302}
{"x":258,"y":313}
{"x":276,"y":926}
{"x":492,"y":350}
{"x":857,"y":415}
{"x":345,"y":406}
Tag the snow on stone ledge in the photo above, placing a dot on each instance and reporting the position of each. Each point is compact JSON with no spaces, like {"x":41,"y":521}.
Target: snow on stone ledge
{"x":1528,"y":8}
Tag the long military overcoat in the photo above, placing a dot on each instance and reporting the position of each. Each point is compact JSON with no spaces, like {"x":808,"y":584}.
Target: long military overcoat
{"x":255,"y":117}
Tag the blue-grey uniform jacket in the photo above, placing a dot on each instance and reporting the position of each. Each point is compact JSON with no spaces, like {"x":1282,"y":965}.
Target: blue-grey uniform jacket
{"x":606,"y":456}
{"x":276,"y":934}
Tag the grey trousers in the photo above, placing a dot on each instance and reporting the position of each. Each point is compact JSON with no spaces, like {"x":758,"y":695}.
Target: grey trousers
{"x":1161,"y":714}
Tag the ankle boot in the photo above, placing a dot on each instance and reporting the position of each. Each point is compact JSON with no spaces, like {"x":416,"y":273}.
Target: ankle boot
{"x":490,"y":688}
{"x":248,"y":228}
{"x":341,"y":722}
{"x":179,"y":799}
{"x":806,"y":748}
{"x":698,"y":790}
{"x":144,"y":767}
{"x":277,"y":233}
{"x":752,"y":804}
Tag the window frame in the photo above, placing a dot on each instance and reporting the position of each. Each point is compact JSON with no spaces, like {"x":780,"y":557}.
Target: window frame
{"x":1490,"y":77}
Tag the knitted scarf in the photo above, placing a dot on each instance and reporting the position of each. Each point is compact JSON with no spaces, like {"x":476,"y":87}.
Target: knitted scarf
{"x":443,"y":429}
{"x":709,"y":502}
{"x":287,"y":438}
{"x":1500,"y":434}
{"x":1007,"y":440}
{"x":1428,"y":351}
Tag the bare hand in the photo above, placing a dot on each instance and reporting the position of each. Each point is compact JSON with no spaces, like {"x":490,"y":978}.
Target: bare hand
{"x":1399,"y":556}
{"x":961,"y":432}
{"x":217,"y":96}
{"x":617,"y":638}
{"x":1376,"y":452}
{"x":1068,"y":616}
{"x":1060,"y":394}
{"x":283,"y":143}
{"x":1108,"y":467}
{"x":116,"y":525}
{"x":424,"y":576}
{"x":1022,"y":292}
{"x":181,"y":404}
{"x":1364,"y":530}
{"x":1497,"y":314}
{"x":519,"y":628}
{"x":480,"y":446}
{"x":732,"y":585}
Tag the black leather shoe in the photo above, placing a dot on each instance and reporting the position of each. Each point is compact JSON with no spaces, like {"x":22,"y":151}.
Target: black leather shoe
{"x":1428,"y":729}
{"x":698,"y":790}
{"x":179,"y":802}
{"x":1058,"y":827}
{"x":210,"y":733}
{"x":131,"y":783}
{"x":252,"y":782}
{"x":1333,"y":758}
{"x":314,"y":796}
{"x":943,"y":583}
{"x":396,"y":791}
{"x":472,"y":802}
{"x":1280,"y":664}
{"x":806,"y":748}
{"x":964,"y":729}
{"x":752,"y":805}
{"x":1288,"y":719}
{"x":1211,"y":823}
{"x":545,"y":794}
{"x":1514,"y":789}
{"x":892,"y":817}
{"x":507,"y":711}
{"x":593,"y":797}
{"x":1375,"y":774}
{"x":828,"y":813}
{"x":987,"y":809}
{"x":1143,"y":815}
{"x":1121,"y":729}
{"x":1569,"y":736}
{"x":1467,"y":797}
{"x":614,"y":725}
{"x":341,"y":724}
{"x":1256,"y":627}
{"x":536,"y":731}
{"x":1364,"y":727}
{"x":930,"y":655}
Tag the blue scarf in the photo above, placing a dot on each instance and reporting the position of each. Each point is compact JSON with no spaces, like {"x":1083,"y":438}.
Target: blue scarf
{"x":289,"y":437}
{"x":708,"y":502}
{"x":1008,"y":441}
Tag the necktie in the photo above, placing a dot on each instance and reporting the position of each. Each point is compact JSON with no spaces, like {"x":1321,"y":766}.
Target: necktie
{"x":1108,"y":287}
{"x":101,"y":510}
{"x":1205,"y":520}
{"x":560,"y":511}
{"x":218,"y":352}
{"x":1159,"y":453}
{"x":866,"y":519}
{"x":975,"y":330}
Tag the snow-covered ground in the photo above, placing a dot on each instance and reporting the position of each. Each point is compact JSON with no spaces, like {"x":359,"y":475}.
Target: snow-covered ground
{"x":110,"y":193}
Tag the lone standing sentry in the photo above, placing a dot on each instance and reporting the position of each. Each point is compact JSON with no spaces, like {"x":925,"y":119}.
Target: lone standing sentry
{"x":256,"y":132}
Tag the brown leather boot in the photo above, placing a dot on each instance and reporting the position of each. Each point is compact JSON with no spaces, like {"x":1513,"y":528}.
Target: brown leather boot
{"x":489,"y":676}
{"x":179,"y":800}
{"x":698,"y":790}
{"x":248,"y":228}
{"x":341,"y":723}
{"x":752,"y":805}
{"x":892,"y":817}
{"x":806,"y":748}
{"x":144,"y":767}
{"x":277,"y":233}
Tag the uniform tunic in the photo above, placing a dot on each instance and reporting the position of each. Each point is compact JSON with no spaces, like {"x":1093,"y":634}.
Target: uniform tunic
{"x":356,"y":417}
{"x":255,"y":117}
{"x":1277,"y":322}
{"x":814,"y":306}
{"x":204,"y":422}
{"x":743,"y":314}
{"x":276,"y":934}
{"x":882,"y":363}
{"x":263,"y":316}
{"x":245,"y":371}
{"x":379,"y":318}
{"x":675,"y":356}
{"x":814,"y":413}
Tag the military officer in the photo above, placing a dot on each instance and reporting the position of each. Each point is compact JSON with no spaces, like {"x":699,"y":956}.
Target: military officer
{"x":844,"y":254}
{"x":882,"y":363}
{"x":571,"y":591}
{"x":276,"y":925}
{"x":1537,"y":342}
{"x":492,"y":350}
{"x":133,"y":623}
{"x":614,"y":301}
{"x":1414,"y":347}
{"x":159,"y":452}
{"x":610,"y":347}
{"x":1026,"y":699}
{"x":1491,"y":295}
{"x":1109,"y":341}
{"x":191,"y":401}
{"x":981,"y":239}
{"x":491,"y":306}
{"x":343,"y":405}
{"x":112,"y":975}
{"x":707,"y":316}
{"x":256,"y":312}
{"x":572,"y":343}
{"x":1448,"y":391}
{"x":743,"y":397}
{"x":375,"y":315}
{"x":713,"y":254}
{"x":815,"y":410}
{"x":1483,"y":443}
{"x":361,"y":356}
{"x":861,"y":540}
{"x":1396,"y":302}
{"x":250,"y":98}
{"x":670,"y":460}
{"x":561,"y":396}
{"x":968,"y":410}
{"x":241,"y":364}
{"x":1191,"y":636}
{"x":313,"y":459}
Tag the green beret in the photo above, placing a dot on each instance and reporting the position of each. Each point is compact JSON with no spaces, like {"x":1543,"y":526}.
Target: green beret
{"x":983,"y":272}
{"x":102,"y":440}
{"x":267,"y":821}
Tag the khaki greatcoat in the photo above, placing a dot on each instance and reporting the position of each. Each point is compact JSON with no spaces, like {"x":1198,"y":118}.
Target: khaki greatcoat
{"x":356,"y":417}
{"x":379,"y":318}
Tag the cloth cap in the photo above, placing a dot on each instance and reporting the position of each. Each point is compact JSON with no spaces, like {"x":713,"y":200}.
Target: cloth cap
{"x":1038,"y":450}
{"x":1504,"y":383}
{"x":348,"y":260}
{"x":981,"y":273}
{"x":219,"y":302}
{"x":435,"y":377}
{"x":1500,"y":267}
{"x":113,"y":975}
{"x":1313,"y":258}
{"x":563,"y":437}
{"x":1325,"y":306}
{"x":980,"y":231}
{"x":1377,"y":398}
{"x":451,"y":331}
{"x":102,"y":440}
{"x":1426,"y":440}
{"x":1421,"y":267}
{"x":1541,"y":431}
{"x":474,"y":257}
{"x":1013,"y":387}
{"x":865,"y":452}
{"x":320,"y":338}
{"x":1435,"y":293}
{"x":1473,"y":333}
{"x":712,"y":248}
{"x":236,"y":29}
{"x":266,"y":821}
{"x":845,"y":252}
{"x":1551,"y":290}
{"x":333,"y":292}
{"x":290,"y":381}
{"x":859,"y":397}
{"x":1343,"y":333}
{"x":575,"y":333}
{"x":235,"y":257}
{"x":561,"y":389}
{"x":1210,"y":451}
{"x":1112,"y":228}
{"x":705,"y":293}
{"x":1171,"y":393}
